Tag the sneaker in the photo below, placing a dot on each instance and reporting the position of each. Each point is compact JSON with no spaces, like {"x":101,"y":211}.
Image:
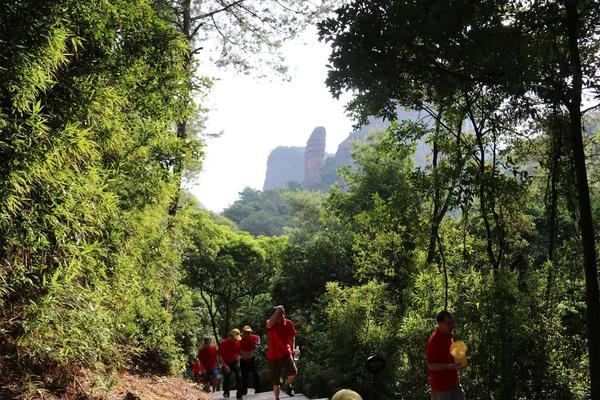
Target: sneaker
{"x":290,"y":390}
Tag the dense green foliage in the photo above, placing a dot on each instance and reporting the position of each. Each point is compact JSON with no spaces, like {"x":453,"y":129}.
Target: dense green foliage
{"x":275,"y":212}
{"x":260,"y":213}
{"x":523,"y":321}
{"x":230,"y":269}
{"x":88,"y":266}
{"x":501,"y":65}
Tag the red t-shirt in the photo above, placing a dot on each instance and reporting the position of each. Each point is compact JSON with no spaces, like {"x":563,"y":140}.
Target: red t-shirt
{"x":197,"y":370}
{"x":248,"y":343}
{"x":280,"y":340}
{"x":208,"y":357}
{"x":229,"y":349}
{"x":438,"y":351}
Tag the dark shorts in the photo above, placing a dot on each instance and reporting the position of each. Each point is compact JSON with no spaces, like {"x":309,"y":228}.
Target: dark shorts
{"x":278,"y":367}
{"x":454,"y":394}
{"x":211,"y":374}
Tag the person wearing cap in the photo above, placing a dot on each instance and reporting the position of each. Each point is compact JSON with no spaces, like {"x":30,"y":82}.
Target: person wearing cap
{"x":443,"y":370}
{"x":281,"y":333}
{"x":207,"y":358}
{"x":249,"y":343}
{"x":229,"y":352}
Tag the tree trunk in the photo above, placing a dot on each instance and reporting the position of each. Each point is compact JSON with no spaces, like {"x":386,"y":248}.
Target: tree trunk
{"x":483,"y":202}
{"x":585,"y":210}
{"x":227,"y":319}
{"x":178,"y":168}
{"x":182,"y":131}
{"x":445,"y":270}
{"x":555,"y":152}
{"x":436,"y":198}
{"x":208,"y":301}
{"x":440,"y":206}
{"x":499,"y":232}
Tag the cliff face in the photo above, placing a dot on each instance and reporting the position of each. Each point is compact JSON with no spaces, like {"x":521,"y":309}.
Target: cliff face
{"x":302,"y":165}
{"x":314,"y":156}
{"x":285,"y":165}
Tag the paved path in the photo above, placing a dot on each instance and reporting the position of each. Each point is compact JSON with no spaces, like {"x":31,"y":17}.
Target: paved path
{"x":260,"y":396}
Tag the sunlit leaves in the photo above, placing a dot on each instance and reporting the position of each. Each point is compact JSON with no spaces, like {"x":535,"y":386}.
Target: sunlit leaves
{"x":89,"y":269}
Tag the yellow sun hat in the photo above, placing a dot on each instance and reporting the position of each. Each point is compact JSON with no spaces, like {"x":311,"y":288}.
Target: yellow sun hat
{"x":346,"y":394}
{"x":459,"y":351}
{"x":235,"y":333}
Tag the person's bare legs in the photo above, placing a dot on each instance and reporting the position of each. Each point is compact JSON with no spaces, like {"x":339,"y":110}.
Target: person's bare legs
{"x":289,"y":388}
{"x":277,"y":388}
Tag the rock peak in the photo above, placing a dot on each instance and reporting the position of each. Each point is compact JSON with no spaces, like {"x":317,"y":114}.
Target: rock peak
{"x":314,"y":156}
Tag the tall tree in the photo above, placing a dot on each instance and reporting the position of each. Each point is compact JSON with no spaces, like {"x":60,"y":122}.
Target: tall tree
{"x":228,"y":268}
{"x":382,"y":206}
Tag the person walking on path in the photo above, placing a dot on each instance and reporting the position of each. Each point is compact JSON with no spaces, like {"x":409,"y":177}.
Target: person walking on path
{"x":229,"y":352}
{"x":207,"y":356}
{"x":249,"y":343}
{"x":198,"y":373}
{"x":281,"y":334}
{"x":443,"y":370}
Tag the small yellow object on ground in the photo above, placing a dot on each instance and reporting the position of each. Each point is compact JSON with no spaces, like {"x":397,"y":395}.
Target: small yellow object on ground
{"x":459,"y":352}
{"x":346,"y":394}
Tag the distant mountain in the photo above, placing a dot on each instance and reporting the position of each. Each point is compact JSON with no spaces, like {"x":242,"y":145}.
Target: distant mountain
{"x":343,"y":155}
{"x":311,"y":167}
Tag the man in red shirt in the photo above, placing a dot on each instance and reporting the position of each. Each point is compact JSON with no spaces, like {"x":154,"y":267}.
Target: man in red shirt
{"x":282,"y":345}
{"x":249,"y":343}
{"x":229,"y":352}
{"x":207,"y":356}
{"x":443,"y":371}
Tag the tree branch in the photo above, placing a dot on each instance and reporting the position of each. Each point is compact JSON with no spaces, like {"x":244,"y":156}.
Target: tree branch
{"x":221,"y":33}
{"x":215,"y":12}
{"x":590,"y":108}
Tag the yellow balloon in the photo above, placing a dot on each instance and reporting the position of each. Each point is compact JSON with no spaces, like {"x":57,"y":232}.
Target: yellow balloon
{"x":459,"y":352}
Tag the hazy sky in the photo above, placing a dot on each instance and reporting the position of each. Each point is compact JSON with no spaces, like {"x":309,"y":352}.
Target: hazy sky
{"x":258,"y":115}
